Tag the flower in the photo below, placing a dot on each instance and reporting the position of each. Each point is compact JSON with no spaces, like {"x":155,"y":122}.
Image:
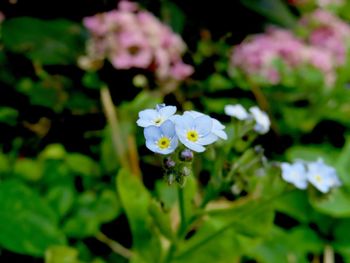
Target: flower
{"x":133,"y":38}
{"x":217,"y":128}
{"x":237,"y":111}
{"x":195,"y":133}
{"x":262,"y":121}
{"x":161,"y":139}
{"x":156,"y":116}
{"x":295,"y":174}
{"x":322,"y":176}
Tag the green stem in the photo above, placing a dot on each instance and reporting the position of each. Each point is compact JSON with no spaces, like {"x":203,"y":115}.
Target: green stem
{"x":182,"y":227}
{"x":114,"y":245}
{"x":182,"y":211}
{"x":112,"y":119}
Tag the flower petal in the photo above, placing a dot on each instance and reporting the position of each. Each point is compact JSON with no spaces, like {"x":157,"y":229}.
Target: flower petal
{"x":208,"y":139}
{"x":152,"y":133}
{"x":183,"y":123}
{"x":203,"y":125}
{"x":168,"y":129}
{"x":167,"y":111}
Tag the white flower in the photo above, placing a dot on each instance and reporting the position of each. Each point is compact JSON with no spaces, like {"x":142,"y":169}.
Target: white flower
{"x":155,"y":117}
{"x":237,"y":111}
{"x":322,"y":176}
{"x":217,"y":129}
{"x":262,"y":121}
{"x":195,"y":133}
{"x":295,"y":174}
{"x":161,"y":139}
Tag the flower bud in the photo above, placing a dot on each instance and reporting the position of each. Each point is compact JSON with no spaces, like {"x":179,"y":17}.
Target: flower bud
{"x":169,"y":163}
{"x":186,"y":155}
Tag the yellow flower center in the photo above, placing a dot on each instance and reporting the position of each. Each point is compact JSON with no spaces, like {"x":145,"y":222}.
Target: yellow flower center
{"x":192,"y":136}
{"x":158,"y":121}
{"x":318,"y":178}
{"x":163,"y":143}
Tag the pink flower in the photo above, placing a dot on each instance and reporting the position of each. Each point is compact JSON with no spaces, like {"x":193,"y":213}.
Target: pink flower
{"x":133,"y":51}
{"x":130,"y":38}
{"x":181,"y":70}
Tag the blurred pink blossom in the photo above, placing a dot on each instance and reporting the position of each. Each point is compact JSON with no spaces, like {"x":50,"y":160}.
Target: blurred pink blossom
{"x":129,"y":38}
{"x":258,"y":55}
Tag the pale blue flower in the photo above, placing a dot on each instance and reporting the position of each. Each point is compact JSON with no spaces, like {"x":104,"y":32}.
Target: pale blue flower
{"x":237,"y":111}
{"x":156,"y":116}
{"x":217,"y":129}
{"x":322,"y":176}
{"x":295,"y":174}
{"x":161,"y":139}
{"x":195,"y":133}
{"x":262,"y":121}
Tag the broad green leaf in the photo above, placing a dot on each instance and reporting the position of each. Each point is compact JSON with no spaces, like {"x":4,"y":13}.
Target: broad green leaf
{"x":295,"y":204}
{"x":53,"y":151}
{"x":27,"y":224}
{"x":61,"y":254}
{"x":46,"y":41}
{"x":343,"y":163}
{"x":61,"y":198}
{"x":287,"y":246}
{"x":173,"y":16}
{"x":8,"y":115}
{"x":136,"y":200}
{"x":275,"y":10}
{"x":161,"y":219}
{"x":217,"y":234}
{"x":90,"y":212}
{"x":82,"y":165}
{"x":336,"y":203}
{"x":28,"y":169}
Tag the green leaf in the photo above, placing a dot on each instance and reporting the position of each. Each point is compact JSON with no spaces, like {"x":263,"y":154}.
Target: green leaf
{"x":61,"y":254}
{"x":8,"y":115}
{"x":46,"y":41}
{"x":90,"y":212}
{"x":161,"y":219}
{"x":61,"y":199}
{"x":275,"y":10}
{"x":27,"y":224}
{"x":336,"y":203}
{"x":28,"y":169}
{"x":136,"y":200}
{"x":83,"y":165}
{"x":173,"y":16}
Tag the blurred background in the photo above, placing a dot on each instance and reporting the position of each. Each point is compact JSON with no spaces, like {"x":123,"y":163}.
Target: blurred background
{"x":73,"y":82}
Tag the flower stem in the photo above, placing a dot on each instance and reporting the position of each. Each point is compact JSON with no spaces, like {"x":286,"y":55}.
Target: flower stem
{"x":112,"y":120}
{"x":182,"y":211}
{"x":114,"y":245}
{"x":328,"y":256}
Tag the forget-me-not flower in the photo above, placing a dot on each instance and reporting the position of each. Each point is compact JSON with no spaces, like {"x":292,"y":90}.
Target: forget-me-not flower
{"x":262,"y":121}
{"x":322,"y":176}
{"x":237,"y":111}
{"x":295,"y":174}
{"x":217,"y":129}
{"x":156,"y":116}
{"x":161,"y":139}
{"x":195,"y":133}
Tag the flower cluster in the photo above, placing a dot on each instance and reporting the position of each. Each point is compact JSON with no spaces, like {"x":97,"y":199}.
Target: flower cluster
{"x":129,"y":37}
{"x":266,"y":58}
{"x":261,"y":119}
{"x":318,"y":174}
{"x":164,"y":129}
{"x":319,"y":3}
{"x":259,"y":57}
{"x":329,"y":33}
